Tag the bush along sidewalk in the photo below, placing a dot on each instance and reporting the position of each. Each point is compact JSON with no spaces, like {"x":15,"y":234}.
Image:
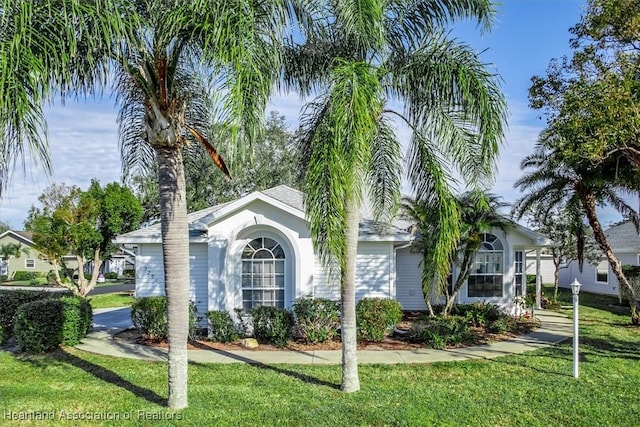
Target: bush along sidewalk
{"x":43,"y":325}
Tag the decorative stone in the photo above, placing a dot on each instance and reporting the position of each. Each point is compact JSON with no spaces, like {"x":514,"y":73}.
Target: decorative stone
{"x":249,"y":343}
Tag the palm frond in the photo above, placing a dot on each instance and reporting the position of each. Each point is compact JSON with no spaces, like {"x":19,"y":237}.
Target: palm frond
{"x":384,"y":173}
{"x":449,"y":93}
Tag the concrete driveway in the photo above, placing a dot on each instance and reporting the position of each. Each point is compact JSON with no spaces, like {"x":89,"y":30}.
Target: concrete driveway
{"x":112,"y":319}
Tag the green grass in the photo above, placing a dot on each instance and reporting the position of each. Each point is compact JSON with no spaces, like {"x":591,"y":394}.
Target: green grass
{"x":533,"y":389}
{"x":41,"y":281}
{"x":115,"y":299}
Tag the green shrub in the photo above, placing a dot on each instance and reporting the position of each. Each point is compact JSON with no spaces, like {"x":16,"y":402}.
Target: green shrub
{"x":222,"y":327}
{"x":499,"y":326}
{"x":129,"y":273}
{"x":11,"y":300}
{"x":78,"y":317}
{"x":375,"y":316}
{"x":149,"y":316}
{"x":531,"y":279}
{"x":440,"y":332}
{"x":24,"y":275}
{"x":3,"y":277}
{"x":477,"y":314}
{"x":272,"y":325}
{"x":39,"y":325}
{"x":112,"y":275}
{"x":317,"y":319}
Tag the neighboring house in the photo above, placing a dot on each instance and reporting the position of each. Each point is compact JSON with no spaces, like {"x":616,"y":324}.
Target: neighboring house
{"x":546,"y":265}
{"x":33,"y":261}
{"x":119,"y":262}
{"x":257,"y":250}
{"x":599,"y":279}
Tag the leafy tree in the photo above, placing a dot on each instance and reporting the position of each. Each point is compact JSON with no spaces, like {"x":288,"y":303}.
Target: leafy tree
{"x":81,"y":224}
{"x":166,"y":58}
{"x":4,"y":227}
{"x":369,"y":56}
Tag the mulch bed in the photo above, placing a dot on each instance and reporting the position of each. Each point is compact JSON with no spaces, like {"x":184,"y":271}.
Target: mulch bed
{"x":394,"y":342}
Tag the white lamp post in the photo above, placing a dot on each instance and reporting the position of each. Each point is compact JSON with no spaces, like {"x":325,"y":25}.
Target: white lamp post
{"x":575,"y":290}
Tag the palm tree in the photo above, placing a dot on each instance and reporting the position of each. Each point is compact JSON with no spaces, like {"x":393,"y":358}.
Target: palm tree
{"x":366,"y":58}
{"x":553,"y":183}
{"x":167,"y":58}
{"x":479,"y":214}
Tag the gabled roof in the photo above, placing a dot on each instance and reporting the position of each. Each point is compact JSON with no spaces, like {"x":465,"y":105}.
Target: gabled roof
{"x":623,"y":237}
{"x":283,"y":197}
{"x":23,"y":236}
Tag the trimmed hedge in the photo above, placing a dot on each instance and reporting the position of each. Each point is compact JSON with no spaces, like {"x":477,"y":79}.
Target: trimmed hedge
{"x":272,"y":325}
{"x":149,"y":316}
{"x":25,"y":275}
{"x":11,"y":300}
{"x":43,"y":325}
{"x":375,"y":316}
{"x":78,"y":317}
{"x":112,"y":275}
{"x":317,"y":319}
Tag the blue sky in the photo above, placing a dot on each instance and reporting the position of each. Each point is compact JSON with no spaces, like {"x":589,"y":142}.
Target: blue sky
{"x":527,"y":34}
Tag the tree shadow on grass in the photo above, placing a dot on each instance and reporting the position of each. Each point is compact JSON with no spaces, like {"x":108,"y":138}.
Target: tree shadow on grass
{"x":111,"y":377}
{"x":288,"y":372}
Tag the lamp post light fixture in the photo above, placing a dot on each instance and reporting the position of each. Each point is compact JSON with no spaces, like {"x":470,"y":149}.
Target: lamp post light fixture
{"x":575,"y":290}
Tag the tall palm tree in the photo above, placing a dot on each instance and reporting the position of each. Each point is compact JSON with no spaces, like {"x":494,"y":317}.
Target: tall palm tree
{"x":554,"y":183}
{"x":368,"y":57}
{"x":166,"y":58}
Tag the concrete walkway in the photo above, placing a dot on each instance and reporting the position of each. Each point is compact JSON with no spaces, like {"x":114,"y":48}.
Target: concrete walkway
{"x":554,"y":328}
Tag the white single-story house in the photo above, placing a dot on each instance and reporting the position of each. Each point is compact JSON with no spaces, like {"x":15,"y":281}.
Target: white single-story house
{"x":257,"y":250}
{"x":599,"y":279}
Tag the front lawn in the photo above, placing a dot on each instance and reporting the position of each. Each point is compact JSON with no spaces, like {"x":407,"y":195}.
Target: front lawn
{"x":115,"y":299}
{"x":533,"y":389}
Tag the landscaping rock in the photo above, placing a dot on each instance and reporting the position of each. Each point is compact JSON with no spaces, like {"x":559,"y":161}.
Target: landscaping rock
{"x":249,"y":343}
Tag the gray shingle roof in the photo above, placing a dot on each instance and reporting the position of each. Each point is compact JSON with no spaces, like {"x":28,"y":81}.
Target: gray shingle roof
{"x":623,"y":237}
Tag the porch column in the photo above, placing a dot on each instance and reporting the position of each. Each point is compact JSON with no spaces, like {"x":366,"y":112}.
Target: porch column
{"x":538,"y":281}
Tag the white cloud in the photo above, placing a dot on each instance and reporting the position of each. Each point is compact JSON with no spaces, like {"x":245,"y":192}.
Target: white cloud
{"x":83,"y":145}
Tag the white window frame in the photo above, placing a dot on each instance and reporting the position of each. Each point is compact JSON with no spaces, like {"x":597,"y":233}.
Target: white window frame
{"x":263,"y":274}
{"x":26,"y":263}
{"x":599,"y":271}
{"x":489,"y":263}
{"x":519,"y":271}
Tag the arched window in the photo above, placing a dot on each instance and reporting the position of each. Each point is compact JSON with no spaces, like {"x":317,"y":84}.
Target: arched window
{"x":262,"y":274}
{"x":487,"y":272}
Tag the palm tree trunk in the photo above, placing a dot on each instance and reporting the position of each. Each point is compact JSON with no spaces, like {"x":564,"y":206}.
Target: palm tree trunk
{"x":350,"y":378}
{"x":175,"y":252}
{"x":465,"y":272}
{"x":589,"y":204}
